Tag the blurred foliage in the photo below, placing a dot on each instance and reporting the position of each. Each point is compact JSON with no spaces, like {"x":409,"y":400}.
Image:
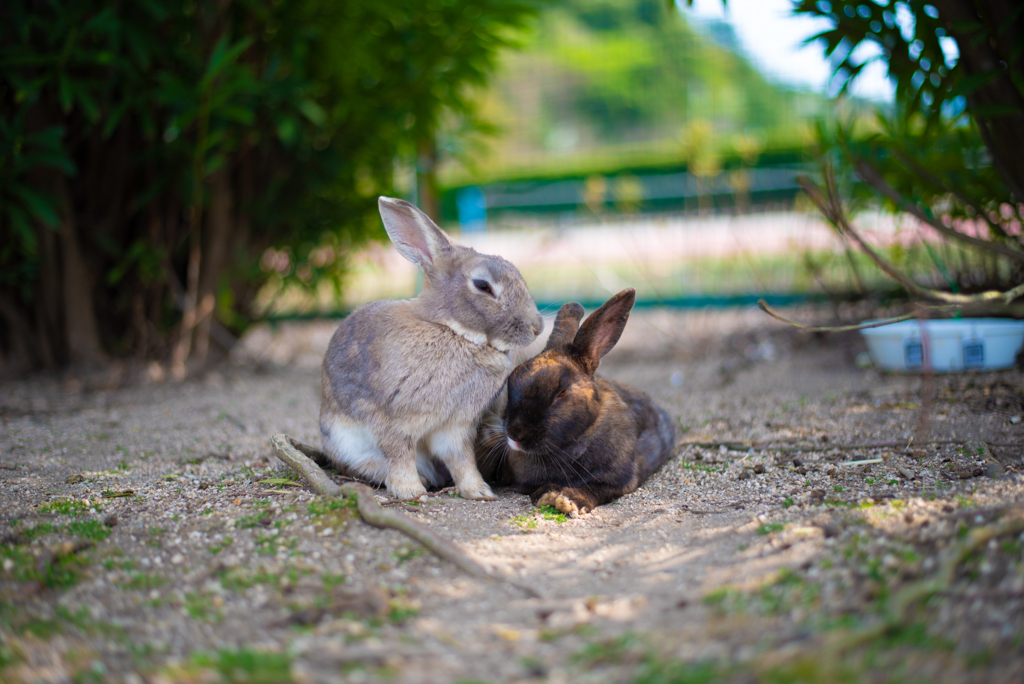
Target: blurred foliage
{"x":264,"y":129}
{"x":948,"y":150}
{"x":605,"y":85}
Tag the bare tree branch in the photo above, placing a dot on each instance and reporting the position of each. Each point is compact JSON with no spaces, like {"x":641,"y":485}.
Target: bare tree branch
{"x":870,"y":175}
{"x":297,"y":455}
{"x":831,"y":206}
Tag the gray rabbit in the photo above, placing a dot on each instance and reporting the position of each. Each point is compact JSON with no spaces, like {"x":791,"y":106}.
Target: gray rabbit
{"x":405,"y":382}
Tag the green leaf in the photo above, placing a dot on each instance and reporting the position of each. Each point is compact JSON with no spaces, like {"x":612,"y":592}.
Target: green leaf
{"x":66,"y":92}
{"x":971,"y":83}
{"x":313,"y":112}
{"x":222,"y":57}
{"x":40,"y":206}
{"x":279,"y":481}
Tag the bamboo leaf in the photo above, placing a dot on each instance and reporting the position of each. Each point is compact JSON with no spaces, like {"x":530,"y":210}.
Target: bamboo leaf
{"x":969,"y":84}
{"x":40,"y":206}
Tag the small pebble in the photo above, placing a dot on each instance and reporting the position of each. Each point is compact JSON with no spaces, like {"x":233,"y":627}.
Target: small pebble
{"x":797,"y":462}
{"x":759,"y":468}
{"x":744,"y":475}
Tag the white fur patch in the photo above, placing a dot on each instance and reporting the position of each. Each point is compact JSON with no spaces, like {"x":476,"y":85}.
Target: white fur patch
{"x":477,"y":338}
{"x":354,"y":447}
{"x":502,"y":346}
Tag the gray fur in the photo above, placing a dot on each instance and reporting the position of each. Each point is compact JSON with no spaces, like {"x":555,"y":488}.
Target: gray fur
{"x":405,"y":382}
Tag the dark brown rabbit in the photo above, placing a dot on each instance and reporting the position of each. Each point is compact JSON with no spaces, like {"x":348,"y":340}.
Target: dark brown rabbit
{"x":569,"y":439}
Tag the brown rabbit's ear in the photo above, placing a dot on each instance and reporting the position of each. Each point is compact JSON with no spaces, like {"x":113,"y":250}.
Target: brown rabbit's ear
{"x":416,"y":237}
{"x":564,"y":329}
{"x":602,"y":329}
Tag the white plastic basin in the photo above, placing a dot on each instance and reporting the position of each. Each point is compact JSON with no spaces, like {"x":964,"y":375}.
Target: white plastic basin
{"x":949,"y":345}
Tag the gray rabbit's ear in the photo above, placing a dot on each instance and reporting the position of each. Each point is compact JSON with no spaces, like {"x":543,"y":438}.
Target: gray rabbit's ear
{"x":564,"y":329}
{"x":602,"y":330}
{"x":416,"y":237}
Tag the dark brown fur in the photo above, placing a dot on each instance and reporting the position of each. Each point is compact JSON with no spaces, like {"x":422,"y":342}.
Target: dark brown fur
{"x":583,"y":441}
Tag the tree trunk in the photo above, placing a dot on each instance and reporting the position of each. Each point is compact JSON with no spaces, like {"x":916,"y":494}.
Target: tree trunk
{"x":80,"y":328}
{"x":218,"y":236}
{"x":426,"y":178}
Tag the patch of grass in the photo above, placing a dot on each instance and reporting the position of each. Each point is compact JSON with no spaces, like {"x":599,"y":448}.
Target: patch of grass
{"x":552,"y":513}
{"x":330,"y":580}
{"x":59,"y":573}
{"x":89,"y":529}
{"x":837,"y":488}
{"x":270,"y":544}
{"x":403,"y":553}
{"x":254,"y":520}
{"x":142,"y":581}
{"x":325,"y":505}
{"x":768,"y":528}
{"x":220,"y":546}
{"x":529,"y":520}
{"x":64,"y":620}
{"x":119,"y":563}
{"x":203,"y":607}
{"x":237,"y":666}
{"x":69,"y":507}
{"x":41,"y":530}
{"x":787,"y":591}
{"x":400,"y":610}
{"x":525,"y":522}
{"x":787,"y":503}
{"x":610,"y":651}
{"x":237,"y":580}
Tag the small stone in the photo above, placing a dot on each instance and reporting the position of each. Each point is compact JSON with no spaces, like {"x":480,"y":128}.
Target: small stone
{"x":802,"y":470}
{"x":759,"y":468}
{"x":797,"y":463}
{"x":74,"y":479}
{"x":817,"y":494}
{"x":204,"y":485}
{"x":110,"y":520}
{"x":237,"y":502}
{"x":177,"y":559}
{"x":1015,"y":419}
{"x":905,"y":474}
{"x":744,"y":475}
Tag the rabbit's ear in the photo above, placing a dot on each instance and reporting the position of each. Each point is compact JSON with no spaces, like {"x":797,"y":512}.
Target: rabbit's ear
{"x":602,"y":329}
{"x":416,"y":237}
{"x":566,"y":323}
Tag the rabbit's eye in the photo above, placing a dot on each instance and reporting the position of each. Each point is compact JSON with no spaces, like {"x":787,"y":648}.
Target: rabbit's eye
{"x":561,"y":394}
{"x":483,"y":286}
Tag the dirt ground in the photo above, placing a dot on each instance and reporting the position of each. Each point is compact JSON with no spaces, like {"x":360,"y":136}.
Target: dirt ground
{"x":149,"y":534}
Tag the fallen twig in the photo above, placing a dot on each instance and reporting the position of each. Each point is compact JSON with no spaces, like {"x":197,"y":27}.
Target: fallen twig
{"x":298,"y":456}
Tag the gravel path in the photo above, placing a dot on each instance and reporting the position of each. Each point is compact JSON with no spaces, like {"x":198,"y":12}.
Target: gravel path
{"x":148,"y":533}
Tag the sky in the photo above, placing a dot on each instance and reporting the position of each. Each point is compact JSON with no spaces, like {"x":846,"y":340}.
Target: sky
{"x":772,"y":39}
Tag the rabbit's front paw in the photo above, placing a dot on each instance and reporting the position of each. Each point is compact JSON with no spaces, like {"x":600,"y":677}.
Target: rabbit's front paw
{"x":404,"y":486}
{"x":480,"y":492}
{"x":562,"y":503}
